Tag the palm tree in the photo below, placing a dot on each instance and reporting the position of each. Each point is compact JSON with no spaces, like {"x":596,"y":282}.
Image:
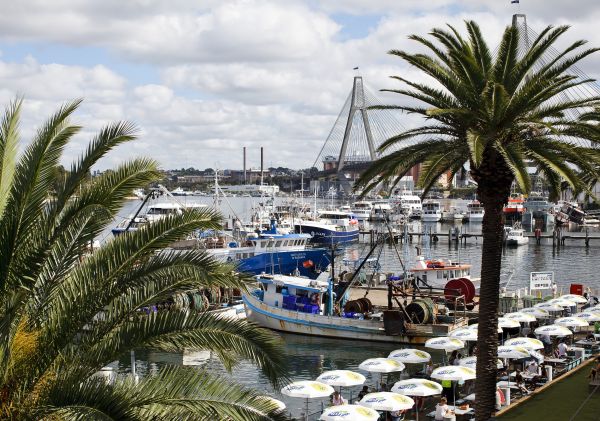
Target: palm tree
{"x":66,"y":313}
{"x":496,"y":115}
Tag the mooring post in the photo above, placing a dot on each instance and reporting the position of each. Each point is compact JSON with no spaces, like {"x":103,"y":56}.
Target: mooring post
{"x":587,"y":237}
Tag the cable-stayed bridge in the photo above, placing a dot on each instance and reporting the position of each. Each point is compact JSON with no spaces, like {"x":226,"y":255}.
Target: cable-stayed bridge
{"x":359,"y":130}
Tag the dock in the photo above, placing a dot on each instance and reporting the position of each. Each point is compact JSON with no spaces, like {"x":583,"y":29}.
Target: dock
{"x":558,"y":237}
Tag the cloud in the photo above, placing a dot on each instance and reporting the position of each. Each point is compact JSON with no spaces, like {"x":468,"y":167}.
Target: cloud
{"x":233,"y":73}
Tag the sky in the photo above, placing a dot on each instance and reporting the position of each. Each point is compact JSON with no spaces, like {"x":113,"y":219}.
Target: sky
{"x":202,"y":79}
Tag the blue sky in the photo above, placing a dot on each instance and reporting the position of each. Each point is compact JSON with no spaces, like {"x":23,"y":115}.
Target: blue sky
{"x":203,"y":79}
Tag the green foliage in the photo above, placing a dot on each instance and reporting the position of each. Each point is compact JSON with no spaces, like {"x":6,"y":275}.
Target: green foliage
{"x":65,"y":312}
{"x":495,"y":114}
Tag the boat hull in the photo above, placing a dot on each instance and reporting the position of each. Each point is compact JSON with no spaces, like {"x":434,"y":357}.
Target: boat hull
{"x":296,"y":322}
{"x":306,"y":262}
{"x":328,"y":237}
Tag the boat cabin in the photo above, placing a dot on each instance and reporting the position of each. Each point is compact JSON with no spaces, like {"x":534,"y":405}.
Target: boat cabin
{"x":293,"y":293}
{"x":440,"y":271}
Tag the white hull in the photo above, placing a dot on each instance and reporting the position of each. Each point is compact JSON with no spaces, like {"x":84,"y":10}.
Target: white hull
{"x":291,"y":321}
{"x":362,"y":215}
{"x":431,"y":217}
{"x":475,"y":217}
{"x":517,"y":241}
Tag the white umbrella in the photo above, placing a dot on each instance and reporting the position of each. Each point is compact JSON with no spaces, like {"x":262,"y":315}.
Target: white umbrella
{"x":553,"y":330}
{"x":444,"y":343}
{"x":538,"y":356}
{"x":538,"y":313}
{"x":521,"y":317}
{"x":549,"y":307}
{"x":453,"y":372}
{"x":506,"y":323}
{"x":410,"y":356}
{"x":471,"y":362}
{"x":417,"y":387}
{"x":571,"y":322}
{"x":575,"y":298}
{"x":527,"y":343}
{"x":513,"y":352}
{"x":341,"y":378}
{"x":387,"y":401}
{"x":562,"y":302}
{"x":464,"y":334}
{"x":590,"y":316}
{"x":476,"y":326}
{"x":307,"y":389}
{"x":381,"y":365}
{"x":349,"y":412}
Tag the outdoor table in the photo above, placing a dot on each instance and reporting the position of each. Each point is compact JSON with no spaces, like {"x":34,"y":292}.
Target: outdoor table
{"x":526,"y":376}
{"x":587,"y":343}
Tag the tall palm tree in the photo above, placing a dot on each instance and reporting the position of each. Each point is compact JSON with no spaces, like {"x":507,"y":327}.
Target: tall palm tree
{"x":496,"y":115}
{"x":66,"y":313}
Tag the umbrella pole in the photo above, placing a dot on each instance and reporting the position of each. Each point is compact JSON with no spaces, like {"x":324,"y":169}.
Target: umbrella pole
{"x":306,"y":412}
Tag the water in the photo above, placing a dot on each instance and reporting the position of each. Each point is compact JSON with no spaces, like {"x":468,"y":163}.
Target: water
{"x":307,"y":357}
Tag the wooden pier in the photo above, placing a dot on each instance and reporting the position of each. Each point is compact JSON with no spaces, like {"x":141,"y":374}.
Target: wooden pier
{"x":558,"y":237}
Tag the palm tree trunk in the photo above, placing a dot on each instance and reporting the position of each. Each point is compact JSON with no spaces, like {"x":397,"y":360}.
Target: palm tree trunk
{"x":487,"y":335}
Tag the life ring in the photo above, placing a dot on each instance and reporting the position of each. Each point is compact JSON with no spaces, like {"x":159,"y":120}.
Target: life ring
{"x":353,"y":222}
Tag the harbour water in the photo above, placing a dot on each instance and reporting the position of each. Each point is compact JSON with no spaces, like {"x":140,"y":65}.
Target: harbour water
{"x":308,"y":357}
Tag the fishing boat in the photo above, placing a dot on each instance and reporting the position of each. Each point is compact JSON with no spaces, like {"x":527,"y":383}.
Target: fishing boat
{"x":154,"y":213}
{"x":439,"y":273}
{"x":330,"y":227}
{"x":516,"y":237}
{"x":307,"y":307}
{"x":514,"y":209}
{"x":362,"y":210}
{"x":432,"y":212}
{"x":475,"y":211}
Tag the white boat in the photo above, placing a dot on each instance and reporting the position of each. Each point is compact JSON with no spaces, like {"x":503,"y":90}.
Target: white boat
{"x":154,"y":213}
{"x":331,"y":227}
{"x":362,"y":210}
{"x":180,"y":192}
{"x":303,"y":306}
{"x":438,"y":273}
{"x":516,"y":237}
{"x":475,"y":211}
{"x":382,"y":210}
{"x":432,"y":212}
{"x":410,"y":204}
{"x":453,"y":215}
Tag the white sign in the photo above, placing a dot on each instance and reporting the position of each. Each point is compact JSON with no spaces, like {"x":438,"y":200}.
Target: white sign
{"x":541,"y":280}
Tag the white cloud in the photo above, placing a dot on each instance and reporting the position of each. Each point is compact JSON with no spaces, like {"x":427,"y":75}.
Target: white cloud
{"x":235,"y":73}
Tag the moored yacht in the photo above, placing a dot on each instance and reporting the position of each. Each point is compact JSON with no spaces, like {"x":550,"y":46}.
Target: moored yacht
{"x":475,"y":211}
{"x":432,"y":212}
{"x":381,"y":210}
{"x":410,"y":204}
{"x":516,"y":237}
{"x":362,"y":210}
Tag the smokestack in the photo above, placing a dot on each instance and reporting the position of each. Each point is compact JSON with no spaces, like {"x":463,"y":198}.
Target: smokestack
{"x":244,"y":165}
{"x":262,"y":162}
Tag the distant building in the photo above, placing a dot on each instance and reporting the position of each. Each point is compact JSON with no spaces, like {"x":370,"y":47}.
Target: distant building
{"x":251,"y":188}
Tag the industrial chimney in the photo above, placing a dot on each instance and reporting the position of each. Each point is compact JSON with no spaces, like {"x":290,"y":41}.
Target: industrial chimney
{"x":244,"y":165}
{"x":262,"y":162}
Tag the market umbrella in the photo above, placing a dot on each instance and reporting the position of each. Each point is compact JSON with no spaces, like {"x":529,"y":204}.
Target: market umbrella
{"x":538,"y":313}
{"x":307,"y":389}
{"x":410,"y":356}
{"x":553,"y":330}
{"x":453,"y":373}
{"x":562,"y":302}
{"x":527,"y":343}
{"x":471,"y":362}
{"x":341,"y":378}
{"x":506,"y":323}
{"x":590,"y":316}
{"x":513,"y":352}
{"x":444,"y":343}
{"x":521,"y":317}
{"x":464,"y":334}
{"x":381,"y":365}
{"x":476,"y":326}
{"x":575,"y":298}
{"x":417,"y":387}
{"x":349,"y":412}
{"x":387,"y":401}
{"x":571,"y":321}
{"x":549,"y":307}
